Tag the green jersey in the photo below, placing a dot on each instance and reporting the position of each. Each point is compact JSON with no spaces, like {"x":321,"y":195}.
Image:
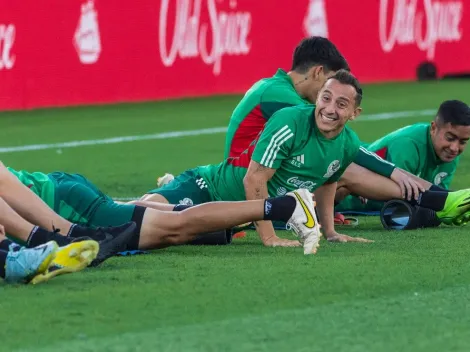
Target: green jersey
{"x":410,"y":148}
{"x":292,"y":144}
{"x":260,"y":102}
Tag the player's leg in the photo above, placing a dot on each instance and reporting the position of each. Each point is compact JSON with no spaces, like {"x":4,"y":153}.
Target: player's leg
{"x":28,"y":204}
{"x":162,"y":229}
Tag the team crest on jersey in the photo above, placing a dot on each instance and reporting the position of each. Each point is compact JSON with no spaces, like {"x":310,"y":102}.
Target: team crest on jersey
{"x":332,"y":168}
{"x":440,"y":177}
{"x":186,"y":201}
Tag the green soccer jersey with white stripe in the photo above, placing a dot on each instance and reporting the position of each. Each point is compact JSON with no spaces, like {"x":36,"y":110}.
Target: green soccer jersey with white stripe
{"x":292,"y":144}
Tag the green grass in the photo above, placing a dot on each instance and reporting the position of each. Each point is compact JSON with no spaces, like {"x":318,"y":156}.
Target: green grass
{"x":405,"y":292}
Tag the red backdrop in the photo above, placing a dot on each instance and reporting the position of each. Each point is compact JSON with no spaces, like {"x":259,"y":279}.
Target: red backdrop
{"x":57,"y":53}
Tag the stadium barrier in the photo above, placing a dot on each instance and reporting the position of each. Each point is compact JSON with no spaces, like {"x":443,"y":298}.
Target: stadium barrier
{"x":60,"y":53}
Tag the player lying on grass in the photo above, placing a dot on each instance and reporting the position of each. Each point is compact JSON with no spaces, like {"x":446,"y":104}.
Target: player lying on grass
{"x":77,"y":200}
{"x":430,"y":151}
{"x":19,"y":264}
{"x":305,"y":146}
{"x":315,"y":59}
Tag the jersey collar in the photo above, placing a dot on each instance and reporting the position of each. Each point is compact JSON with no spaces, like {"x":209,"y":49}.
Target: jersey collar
{"x":281,"y":74}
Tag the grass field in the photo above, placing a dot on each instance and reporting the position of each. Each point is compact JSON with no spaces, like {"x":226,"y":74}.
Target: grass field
{"x":404,"y":292}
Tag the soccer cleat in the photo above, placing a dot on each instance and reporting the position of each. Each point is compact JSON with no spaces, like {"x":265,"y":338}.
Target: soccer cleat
{"x":304,"y":221}
{"x":457,"y":204}
{"x":23,"y":264}
{"x":116,"y":239}
{"x":164,"y":180}
{"x":69,"y":259}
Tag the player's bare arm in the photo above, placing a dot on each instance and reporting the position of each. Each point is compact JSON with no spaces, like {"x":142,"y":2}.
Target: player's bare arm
{"x":255,"y":183}
{"x":325,"y":197}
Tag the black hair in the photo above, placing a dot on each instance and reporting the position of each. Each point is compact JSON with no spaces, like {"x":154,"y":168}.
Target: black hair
{"x":345,"y":77}
{"x":455,"y":112}
{"x":313,"y":51}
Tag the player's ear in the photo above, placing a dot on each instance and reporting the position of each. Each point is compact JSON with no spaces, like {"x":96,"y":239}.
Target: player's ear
{"x":433,"y":126}
{"x":316,"y":72}
{"x":357,"y":112}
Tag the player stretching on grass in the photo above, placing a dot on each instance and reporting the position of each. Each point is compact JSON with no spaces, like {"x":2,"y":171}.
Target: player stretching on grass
{"x":430,"y":151}
{"x":304,"y":146}
{"x":75,"y":199}
{"x":315,"y":60}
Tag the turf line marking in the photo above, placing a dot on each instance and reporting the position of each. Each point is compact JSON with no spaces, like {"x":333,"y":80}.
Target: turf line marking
{"x":178,"y":134}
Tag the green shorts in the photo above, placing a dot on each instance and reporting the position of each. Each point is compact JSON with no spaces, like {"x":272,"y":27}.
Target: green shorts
{"x":81,"y":202}
{"x":187,"y":188}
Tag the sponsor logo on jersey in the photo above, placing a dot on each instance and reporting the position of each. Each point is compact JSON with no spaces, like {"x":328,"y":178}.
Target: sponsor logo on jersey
{"x":7,"y":39}
{"x":440,"y":177}
{"x":422,"y":23}
{"x":295,"y":181}
{"x":281,"y":191}
{"x":332,"y":168}
{"x":225,"y":32}
{"x":298,"y":160}
{"x":315,"y":21}
{"x":87,"y":40}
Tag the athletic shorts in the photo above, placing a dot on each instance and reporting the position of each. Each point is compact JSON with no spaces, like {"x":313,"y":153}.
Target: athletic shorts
{"x":187,"y":188}
{"x":81,"y":202}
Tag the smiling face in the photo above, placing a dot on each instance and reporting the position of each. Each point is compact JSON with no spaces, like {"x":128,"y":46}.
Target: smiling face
{"x":449,"y":140}
{"x":336,"y":105}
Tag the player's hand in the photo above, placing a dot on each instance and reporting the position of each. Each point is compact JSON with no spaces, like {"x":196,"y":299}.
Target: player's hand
{"x":280,"y":242}
{"x":337,"y":237}
{"x":409,"y":187}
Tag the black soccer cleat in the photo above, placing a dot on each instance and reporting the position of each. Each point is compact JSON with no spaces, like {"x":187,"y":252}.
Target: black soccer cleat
{"x":113,"y":240}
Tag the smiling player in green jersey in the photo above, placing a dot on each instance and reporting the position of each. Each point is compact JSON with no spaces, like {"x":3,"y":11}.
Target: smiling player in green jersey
{"x":430,"y":151}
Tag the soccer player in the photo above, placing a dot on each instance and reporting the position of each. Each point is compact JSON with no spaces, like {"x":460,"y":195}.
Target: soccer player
{"x":304,"y":146}
{"x":430,"y":151}
{"x":76,"y":199}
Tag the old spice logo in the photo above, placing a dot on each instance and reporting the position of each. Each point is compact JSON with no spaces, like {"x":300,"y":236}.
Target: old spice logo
{"x":87,"y":35}
{"x":226,"y":31}
{"x":315,"y":21}
{"x":7,"y":39}
{"x":433,"y":22}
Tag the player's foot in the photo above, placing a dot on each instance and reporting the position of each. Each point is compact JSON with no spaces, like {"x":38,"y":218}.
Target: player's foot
{"x":462,"y":220}
{"x":304,"y":220}
{"x":116,"y":239}
{"x":457,"y":204}
{"x":69,"y":259}
{"x":164,"y":180}
{"x":23,"y":264}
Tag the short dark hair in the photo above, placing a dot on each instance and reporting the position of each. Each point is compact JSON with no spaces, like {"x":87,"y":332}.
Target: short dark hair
{"x":345,"y":77}
{"x":455,"y":112}
{"x":313,"y":51}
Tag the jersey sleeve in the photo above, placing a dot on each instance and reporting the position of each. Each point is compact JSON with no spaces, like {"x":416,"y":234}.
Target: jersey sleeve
{"x":404,"y":154}
{"x":276,"y":140}
{"x":276,"y":98}
{"x":373,"y":162}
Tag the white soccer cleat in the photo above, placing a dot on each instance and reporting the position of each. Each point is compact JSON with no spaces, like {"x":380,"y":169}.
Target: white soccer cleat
{"x":164,"y":180}
{"x":304,"y":221}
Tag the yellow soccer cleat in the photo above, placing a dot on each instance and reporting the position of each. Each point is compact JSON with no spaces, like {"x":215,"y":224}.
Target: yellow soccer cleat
{"x":69,"y":259}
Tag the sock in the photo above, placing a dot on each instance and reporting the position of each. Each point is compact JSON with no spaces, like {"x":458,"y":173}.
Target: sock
{"x":431,"y":200}
{"x":181,"y":207}
{"x":435,"y":188}
{"x":77,"y":231}
{"x":3,"y":262}
{"x":40,"y":236}
{"x":279,"y":208}
{"x":6,"y":243}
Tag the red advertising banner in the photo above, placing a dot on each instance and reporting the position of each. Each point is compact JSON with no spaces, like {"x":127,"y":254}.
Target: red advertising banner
{"x":59,"y":53}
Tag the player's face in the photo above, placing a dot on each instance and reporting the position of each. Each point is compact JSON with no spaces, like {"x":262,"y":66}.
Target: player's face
{"x":335,"y":107}
{"x":449,"y":141}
